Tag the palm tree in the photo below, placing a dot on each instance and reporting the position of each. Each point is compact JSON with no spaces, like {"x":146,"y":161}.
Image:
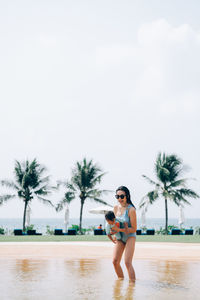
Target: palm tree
{"x":170,"y":185}
{"x":29,"y":183}
{"x":85,"y":177}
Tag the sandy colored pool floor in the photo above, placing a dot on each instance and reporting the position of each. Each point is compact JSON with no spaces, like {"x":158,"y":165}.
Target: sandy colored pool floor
{"x":72,"y":250}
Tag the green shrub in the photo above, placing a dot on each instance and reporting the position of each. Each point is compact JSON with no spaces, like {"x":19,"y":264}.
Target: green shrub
{"x":84,"y":230}
{"x":30,"y":227}
{"x":49,"y":231}
{"x":1,"y":230}
{"x":76,"y":227}
{"x":170,"y":227}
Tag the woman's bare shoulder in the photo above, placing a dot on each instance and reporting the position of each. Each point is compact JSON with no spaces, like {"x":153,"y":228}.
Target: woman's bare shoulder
{"x":132,"y":210}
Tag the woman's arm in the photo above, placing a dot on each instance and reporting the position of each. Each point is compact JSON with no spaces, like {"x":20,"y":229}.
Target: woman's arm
{"x":133,"y":221}
{"x":116,"y":229}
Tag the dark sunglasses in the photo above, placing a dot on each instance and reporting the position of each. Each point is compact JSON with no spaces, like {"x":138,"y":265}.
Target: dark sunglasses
{"x":120,"y":196}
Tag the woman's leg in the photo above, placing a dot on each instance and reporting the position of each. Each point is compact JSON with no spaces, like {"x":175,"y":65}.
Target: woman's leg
{"x":129,"y":251}
{"x":117,"y":256}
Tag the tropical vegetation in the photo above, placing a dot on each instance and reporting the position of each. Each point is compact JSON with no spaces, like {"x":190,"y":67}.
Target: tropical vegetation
{"x":169,"y":185}
{"x":29,"y":183}
{"x":86,"y":176}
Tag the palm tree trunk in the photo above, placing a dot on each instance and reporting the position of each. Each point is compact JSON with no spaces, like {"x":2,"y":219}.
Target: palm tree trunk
{"x":166,"y":217}
{"x":24,"y":218}
{"x":81,"y":213}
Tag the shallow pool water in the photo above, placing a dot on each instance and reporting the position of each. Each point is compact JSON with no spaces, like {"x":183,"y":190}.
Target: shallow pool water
{"x":57,"y":279}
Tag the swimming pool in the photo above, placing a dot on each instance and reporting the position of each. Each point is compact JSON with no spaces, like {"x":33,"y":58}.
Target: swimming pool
{"x":59,"y":279}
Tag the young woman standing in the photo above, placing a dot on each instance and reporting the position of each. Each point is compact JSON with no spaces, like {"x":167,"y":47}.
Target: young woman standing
{"x":126,"y":212}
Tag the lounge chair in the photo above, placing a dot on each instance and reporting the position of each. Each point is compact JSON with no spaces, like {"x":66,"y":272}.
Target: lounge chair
{"x":71,"y":232}
{"x":98,"y":231}
{"x":175,"y":231}
{"x":33,"y":232}
{"x":150,"y":232}
{"x":18,"y":232}
{"x":58,"y":232}
{"x":189,"y":231}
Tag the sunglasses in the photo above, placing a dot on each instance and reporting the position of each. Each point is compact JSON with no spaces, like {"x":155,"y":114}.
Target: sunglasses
{"x":120,"y":196}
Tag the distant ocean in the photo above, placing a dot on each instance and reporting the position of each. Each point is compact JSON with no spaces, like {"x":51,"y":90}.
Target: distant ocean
{"x":40,"y":224}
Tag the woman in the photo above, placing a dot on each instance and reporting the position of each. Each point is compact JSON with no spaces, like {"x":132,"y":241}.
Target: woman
{"x":125,"y":211}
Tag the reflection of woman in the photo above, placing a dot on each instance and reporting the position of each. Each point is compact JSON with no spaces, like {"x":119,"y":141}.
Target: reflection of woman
{"x":125,"y":211}
{"x":118,"y":291}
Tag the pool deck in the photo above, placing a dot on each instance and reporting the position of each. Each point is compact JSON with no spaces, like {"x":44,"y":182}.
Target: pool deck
{"x":94,"y":250}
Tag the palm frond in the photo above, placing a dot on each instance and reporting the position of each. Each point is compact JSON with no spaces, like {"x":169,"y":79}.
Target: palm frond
{"x":150,"y":180}
{"x":45,"y":201}
{"x":177,"y":198}
{"x":9,"y":184}
{"x":21,"y":194}
{"x":168,"y":167}
{"x":149,"y":198}
{"x":187,"y":193}
{"x":18,"y":172}
{"x":76,"y":181}
{"x":60,"y":205}
{"x":4,"y":198}
{"x":97,"y":179}
{"x":99,"y":201}
{"x":184,"y":201}
{"x":65,"y":184}
{"x":69,"y":196}
{"x":85,"y":175}
{"x":43,"y":180}
{"x":180,"y":182}
{"x":97,"y":193}
{"x":43,"y":190}
{"x":180,"y":195}
{"x":70,"y":186}
{"x":153,"y":195}
{"x":163,"y":174}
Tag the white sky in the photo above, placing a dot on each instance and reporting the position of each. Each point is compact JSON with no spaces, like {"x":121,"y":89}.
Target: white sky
{"x":115,"y":81}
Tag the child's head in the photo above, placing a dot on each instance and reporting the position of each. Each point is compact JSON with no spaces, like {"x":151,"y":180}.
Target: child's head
{"x":110,"y":217}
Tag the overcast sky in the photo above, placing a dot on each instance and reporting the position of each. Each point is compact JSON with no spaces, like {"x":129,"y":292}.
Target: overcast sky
{"x":115,"y":81}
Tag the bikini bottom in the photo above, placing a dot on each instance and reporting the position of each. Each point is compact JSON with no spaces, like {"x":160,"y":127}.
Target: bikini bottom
{"x":126,"y":236}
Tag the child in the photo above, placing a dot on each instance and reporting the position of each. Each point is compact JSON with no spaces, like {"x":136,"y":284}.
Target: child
{"x":111,"y":222}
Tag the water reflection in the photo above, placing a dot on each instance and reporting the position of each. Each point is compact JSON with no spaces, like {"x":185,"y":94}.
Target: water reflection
{"x":26,"y":269}
{"x":95,"y":279}
{"x":119,"y":292}
{"x":171,"y":272}
{"x":83,"y":267}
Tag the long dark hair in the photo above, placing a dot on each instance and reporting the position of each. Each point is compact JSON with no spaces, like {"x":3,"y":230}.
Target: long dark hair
{"x":128,"y":195}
